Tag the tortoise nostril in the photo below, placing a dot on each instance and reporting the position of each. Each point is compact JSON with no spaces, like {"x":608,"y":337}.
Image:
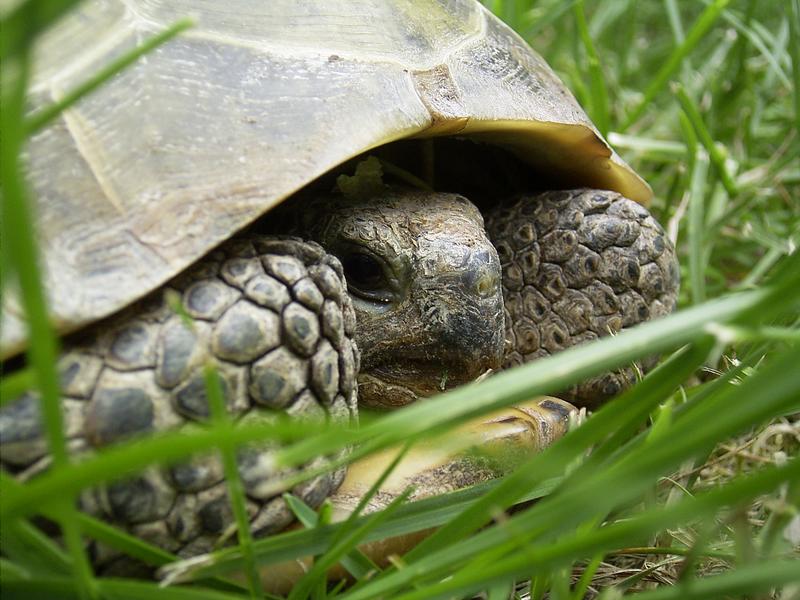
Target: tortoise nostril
{"x":486,"y":285}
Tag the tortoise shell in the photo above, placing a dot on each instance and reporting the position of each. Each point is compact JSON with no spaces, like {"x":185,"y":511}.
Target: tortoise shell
{"x":210,"y":131}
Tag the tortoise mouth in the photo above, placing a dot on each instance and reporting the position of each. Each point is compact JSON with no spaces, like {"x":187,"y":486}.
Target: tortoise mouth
{"x":397,"y":383}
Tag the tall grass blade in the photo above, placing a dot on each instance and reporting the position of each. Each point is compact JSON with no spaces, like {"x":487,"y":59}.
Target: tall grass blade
{"x":108,"y":589}
{"x":696,"y":227}
{"x":26,"y":545}
{"x":17,"y":234}
{"x":715,"y":154}
{"x":25,"y":21}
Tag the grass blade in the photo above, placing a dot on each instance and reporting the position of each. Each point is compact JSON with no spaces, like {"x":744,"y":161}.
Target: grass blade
{"x":347,"y":544}
{"x":24,"y":22}
{"x":697,"y":190}
{"x":30,"y":548}
{"x":236,"y":495}
{"x":17,"y":233}
{"x":13,"y":385}
{"x":717,"y":157}
{"x":356,"y":562}
{"x":675,"y":23}
{"x":109,"y":589}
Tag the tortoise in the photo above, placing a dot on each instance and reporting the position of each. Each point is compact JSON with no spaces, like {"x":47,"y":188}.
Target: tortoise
{"x":166,"y":179}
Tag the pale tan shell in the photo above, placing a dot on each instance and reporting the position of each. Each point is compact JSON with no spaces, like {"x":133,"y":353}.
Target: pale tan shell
{"x":210,"y":131}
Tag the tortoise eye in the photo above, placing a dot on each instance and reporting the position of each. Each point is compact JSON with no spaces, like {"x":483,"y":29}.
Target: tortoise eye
{"x":365,"y":277}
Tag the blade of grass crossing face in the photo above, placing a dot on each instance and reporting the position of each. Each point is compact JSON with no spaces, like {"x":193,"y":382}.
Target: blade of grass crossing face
{"x":538,"y":377}
{"x":698,"y":30}
{"x":46,"y":114}
{"x":219,"y":415}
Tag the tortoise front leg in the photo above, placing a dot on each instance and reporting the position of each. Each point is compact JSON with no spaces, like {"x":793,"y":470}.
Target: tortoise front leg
{"x":478,"y":451}
{"x":273,"y":316}
{"x":579,"y":265}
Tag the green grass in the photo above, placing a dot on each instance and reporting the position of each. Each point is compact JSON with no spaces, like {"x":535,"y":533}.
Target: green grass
{"x":692,"y":476}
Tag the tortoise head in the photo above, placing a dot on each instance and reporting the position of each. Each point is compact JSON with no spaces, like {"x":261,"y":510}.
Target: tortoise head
{"x":425,"y":283}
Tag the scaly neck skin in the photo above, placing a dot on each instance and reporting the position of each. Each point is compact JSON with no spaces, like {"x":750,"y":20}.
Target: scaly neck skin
{"x":425,"y":283}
